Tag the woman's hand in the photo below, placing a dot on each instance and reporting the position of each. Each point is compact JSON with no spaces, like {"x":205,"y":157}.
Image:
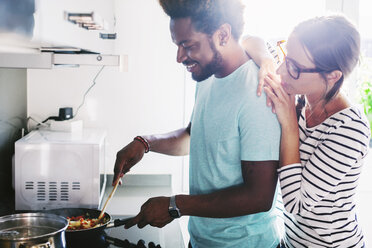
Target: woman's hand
{"x":268,"y":67}
{"x":257,"y":49}
{"x":283,"y":103}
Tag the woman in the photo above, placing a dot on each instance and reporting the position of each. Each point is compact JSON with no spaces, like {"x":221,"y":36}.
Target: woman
{"x":321,"y":153}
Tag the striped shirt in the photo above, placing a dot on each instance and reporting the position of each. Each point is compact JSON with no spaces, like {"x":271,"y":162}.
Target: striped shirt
{"x":319,"y":193}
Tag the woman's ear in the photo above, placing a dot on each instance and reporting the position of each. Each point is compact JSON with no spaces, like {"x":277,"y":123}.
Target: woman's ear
{"x":333,"y":77}
{"x":223,"y":34}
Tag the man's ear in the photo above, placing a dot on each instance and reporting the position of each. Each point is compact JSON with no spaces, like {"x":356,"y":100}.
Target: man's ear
{"x":333,"y":77}
{"x":223,"y":34}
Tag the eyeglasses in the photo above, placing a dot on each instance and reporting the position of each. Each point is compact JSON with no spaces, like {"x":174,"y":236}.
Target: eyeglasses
{"x":293,"y":69}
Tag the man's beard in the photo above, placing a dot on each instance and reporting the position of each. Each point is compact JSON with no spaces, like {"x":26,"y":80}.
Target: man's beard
{"x":212,"y":67}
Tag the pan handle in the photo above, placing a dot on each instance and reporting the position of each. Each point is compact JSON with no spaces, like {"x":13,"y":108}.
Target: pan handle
{"x":118,"y":222}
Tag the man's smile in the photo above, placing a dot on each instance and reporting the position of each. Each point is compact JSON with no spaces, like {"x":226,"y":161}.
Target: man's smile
{"x":190,"y":67}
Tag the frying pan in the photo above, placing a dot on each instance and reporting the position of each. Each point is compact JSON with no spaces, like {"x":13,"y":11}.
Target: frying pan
{"x":90,"y":233}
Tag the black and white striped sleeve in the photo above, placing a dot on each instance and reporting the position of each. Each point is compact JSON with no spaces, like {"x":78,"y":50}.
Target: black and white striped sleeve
{"x":303,"y":186}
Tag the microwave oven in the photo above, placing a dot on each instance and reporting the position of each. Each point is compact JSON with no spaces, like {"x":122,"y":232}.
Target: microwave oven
{"x":59,"y":169}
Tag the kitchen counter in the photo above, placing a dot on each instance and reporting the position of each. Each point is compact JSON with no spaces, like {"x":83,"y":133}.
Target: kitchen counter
{"x":127,"y":201}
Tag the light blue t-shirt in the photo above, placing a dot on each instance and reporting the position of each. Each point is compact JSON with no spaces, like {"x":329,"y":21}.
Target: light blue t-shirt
{"x":229,"y":124}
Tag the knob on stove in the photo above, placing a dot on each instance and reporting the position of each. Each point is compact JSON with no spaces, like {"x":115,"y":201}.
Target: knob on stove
{"x":126,"y":244}
{"x":141,"y":244}
{"x":152,"y":245}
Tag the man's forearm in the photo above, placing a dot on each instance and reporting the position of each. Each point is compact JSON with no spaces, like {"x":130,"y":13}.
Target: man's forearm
{"x":175,"y":143}
{"x":230,"y":202}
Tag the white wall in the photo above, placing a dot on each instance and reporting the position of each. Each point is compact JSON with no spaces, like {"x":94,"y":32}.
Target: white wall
{"x":147,"y":99}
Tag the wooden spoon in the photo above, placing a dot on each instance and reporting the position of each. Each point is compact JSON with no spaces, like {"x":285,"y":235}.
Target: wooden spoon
{"x":107,"y":201}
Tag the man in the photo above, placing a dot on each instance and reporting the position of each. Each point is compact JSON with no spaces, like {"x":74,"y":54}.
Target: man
{"x":232,"y":138}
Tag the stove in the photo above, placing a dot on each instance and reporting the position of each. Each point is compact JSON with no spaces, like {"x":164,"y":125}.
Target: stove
{"x":106,"y":241}
{"x":147,"y":237}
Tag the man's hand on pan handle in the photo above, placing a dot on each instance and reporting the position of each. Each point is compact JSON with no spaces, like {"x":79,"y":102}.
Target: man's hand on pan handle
{"x":154,"y":212}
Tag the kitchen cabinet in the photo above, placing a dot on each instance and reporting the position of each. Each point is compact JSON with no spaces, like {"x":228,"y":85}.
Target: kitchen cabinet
{"x":57,"y":26}
{"x":62,"y":26}
{"x":44,"y":33}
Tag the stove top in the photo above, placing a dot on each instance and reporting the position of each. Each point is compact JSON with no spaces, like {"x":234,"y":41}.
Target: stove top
{"x":147,"y":237}
{"x":105,"y":241}
{"x":125,"y":243}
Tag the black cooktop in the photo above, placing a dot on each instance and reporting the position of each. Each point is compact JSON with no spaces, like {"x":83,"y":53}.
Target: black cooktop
{"x":106,"y":241}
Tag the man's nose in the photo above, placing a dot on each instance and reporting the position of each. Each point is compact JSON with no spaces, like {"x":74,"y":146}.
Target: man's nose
{"x":181,"y":55}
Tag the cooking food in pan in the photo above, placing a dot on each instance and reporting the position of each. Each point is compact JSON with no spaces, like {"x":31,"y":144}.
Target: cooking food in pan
{"x":83,"y":222}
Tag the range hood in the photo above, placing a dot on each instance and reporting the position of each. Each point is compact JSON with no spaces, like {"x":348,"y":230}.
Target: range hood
{"x":48,"y":33}
{"x":49,"y":60}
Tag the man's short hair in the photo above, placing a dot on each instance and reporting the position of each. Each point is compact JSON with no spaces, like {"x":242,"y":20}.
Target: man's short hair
{"x":208,"y":15}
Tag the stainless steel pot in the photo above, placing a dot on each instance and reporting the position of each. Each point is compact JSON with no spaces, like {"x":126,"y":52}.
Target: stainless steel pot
{"x":33,"y":230}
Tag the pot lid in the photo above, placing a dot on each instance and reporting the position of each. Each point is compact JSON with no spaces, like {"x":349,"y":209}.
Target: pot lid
{"x":28,"y":226}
